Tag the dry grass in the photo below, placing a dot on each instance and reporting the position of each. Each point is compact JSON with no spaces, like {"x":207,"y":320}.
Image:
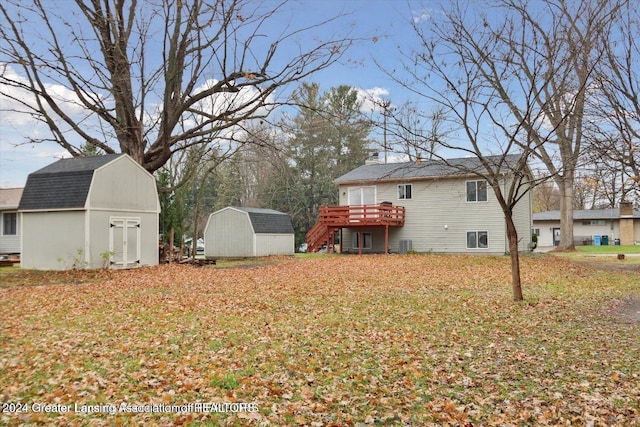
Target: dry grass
{"x":346,"y":340}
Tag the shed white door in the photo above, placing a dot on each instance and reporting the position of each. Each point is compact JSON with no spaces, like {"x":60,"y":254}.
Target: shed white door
{"x":124,"y":242}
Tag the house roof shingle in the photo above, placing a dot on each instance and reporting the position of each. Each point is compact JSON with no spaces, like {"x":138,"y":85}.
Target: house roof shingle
{"x":10,"y":198}
{"x":423,"y":169}
{"x":268,"y":220}
{"x":62,"y":185}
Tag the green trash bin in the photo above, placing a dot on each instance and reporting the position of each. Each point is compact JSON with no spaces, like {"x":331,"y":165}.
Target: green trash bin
{"x":605,"y":240}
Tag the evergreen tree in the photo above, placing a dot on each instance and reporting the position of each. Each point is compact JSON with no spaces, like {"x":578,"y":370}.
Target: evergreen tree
{"x":171,"y":208}
{"x":329,"y":137}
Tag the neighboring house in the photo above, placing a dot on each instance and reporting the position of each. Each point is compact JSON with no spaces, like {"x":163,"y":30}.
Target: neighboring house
{"x":90,"y":212}
{"x":248,"y":232}
{"x":422,"y":206}
{"x":10,"y":221}
{"x":619,"y":225}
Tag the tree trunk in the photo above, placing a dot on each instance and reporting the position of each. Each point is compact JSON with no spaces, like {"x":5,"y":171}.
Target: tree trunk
{"x":512,"y":236}
{"x":566,"y":212}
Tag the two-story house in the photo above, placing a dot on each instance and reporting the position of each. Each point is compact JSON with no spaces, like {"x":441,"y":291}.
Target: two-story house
{"x":424,"y":206}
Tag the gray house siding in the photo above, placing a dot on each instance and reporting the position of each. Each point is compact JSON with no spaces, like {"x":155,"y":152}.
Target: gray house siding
{"x":523,"y":220}
{"x":9,"y":241}
{"x":438,"y":216}
{"x":10,"y":220}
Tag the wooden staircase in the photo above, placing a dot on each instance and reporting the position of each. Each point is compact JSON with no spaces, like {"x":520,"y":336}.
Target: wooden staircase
{"x":332,"y":218}
{"x":320,"y":235}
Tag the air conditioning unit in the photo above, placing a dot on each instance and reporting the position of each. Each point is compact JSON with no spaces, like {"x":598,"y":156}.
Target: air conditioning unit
{"x":405,"y":246}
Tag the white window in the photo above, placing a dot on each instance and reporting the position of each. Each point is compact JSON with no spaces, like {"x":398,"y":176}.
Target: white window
{"x":477,"y":240}
{"x":476,"y":191}
{"x":362,"y":196}
{"x":9,"y":224}
{"x":366,"y":240}
{"x":405,"y":191}
{"x":594,"y":222}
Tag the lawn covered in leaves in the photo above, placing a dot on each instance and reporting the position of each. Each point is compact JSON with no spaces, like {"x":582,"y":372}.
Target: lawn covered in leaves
{"x":345,"y":340}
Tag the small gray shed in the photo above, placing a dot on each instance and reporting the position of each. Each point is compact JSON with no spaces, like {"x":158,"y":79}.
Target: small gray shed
{"x":248,"y":232}
{"x":90,"y":212}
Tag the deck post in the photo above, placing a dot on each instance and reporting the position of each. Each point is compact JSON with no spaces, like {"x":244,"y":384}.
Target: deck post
{"x":359,"y":242}
{"x":386,"y":239}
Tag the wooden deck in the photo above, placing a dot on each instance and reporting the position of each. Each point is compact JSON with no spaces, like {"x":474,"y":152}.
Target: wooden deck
{"x":332,"y":218}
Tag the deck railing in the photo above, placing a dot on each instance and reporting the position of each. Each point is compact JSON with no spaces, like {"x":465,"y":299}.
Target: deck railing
{"x":361,"y":215}
{"x":332,"y":218}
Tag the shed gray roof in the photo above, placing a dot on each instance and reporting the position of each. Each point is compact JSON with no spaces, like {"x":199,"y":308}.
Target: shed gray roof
{"x":583,"y":214}
{"x":423,"y":169}
{"x":268,"y":221}
{"x":63,"y":184}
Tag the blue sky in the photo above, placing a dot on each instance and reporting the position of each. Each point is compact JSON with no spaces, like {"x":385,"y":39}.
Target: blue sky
{"x":381,"y":25}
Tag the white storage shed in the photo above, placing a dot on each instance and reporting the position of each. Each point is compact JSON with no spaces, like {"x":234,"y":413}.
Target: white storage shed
{"x":90,"y":212}
{"x":238,"y":232}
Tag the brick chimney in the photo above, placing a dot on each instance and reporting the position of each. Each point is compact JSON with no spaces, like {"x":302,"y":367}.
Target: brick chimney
{"x":373,"y":159}
{"x":626,"y":209}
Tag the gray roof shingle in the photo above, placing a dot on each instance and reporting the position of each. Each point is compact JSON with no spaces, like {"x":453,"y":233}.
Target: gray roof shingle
{"x":268,"y":221}
{"x":423,"y":169}
{"x":62,"y":185}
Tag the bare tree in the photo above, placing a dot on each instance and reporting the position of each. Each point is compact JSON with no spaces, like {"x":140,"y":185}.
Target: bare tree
{"x":245,"y":175}
{"x":150,"y":78}
{"x":512,"y":80}
{"x":615,"y":131}
{"x":602,"y":182}
{"x":546,"y":196}
{"x":525,"y":70}
{"x":415,"y":134}
{"x":469,"y":67}
{"x":182,"y":184}
{"x":558,"y":56}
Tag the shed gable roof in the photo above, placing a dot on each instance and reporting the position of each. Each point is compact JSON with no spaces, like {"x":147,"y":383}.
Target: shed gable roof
{"x":427,"y":169}
{"x":268,"y":221}
{"x":64,"y":184}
